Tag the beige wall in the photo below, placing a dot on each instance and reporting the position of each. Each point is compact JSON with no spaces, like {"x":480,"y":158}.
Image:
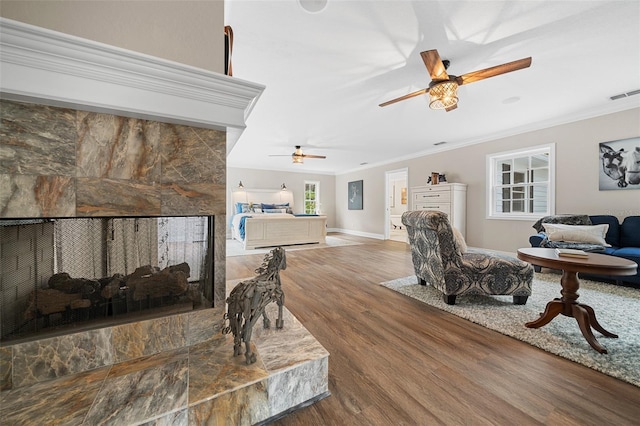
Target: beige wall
{"x":269,"y":179}
{"x":185,"y":31}
{"x":577,"y":168}
{"x":370,"y":220}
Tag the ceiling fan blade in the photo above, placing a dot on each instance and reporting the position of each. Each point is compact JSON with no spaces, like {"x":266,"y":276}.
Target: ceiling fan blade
{"x":298,"y":156}
{"x":402,"y":98}
{"x":434,"y":65}
{"x":493,"y":71}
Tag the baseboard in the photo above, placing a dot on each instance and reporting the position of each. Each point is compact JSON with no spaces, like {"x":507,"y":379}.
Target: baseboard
{"x":358,"y":233}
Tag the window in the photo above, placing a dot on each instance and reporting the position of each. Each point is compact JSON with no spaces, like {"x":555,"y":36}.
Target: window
{"x":520,"y":184}
{"x":311,"y":197}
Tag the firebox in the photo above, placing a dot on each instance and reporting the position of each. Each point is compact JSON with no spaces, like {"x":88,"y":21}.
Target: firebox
{"x":71,"y":274}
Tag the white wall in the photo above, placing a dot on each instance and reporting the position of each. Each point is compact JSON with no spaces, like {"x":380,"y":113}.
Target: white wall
{"x":186,"y":31}
{"x":269,"y":179}
{"x":577,"y":170}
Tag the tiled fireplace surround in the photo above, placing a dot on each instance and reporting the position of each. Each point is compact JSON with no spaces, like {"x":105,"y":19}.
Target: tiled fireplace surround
{"x":57,"y":161}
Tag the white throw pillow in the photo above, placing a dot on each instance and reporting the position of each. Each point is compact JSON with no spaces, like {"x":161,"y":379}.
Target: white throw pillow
{"x":457,"y":236}
{"x":593,"y":234}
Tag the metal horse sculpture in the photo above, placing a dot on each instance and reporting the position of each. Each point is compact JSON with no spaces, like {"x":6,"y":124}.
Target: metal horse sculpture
{"x":248,"y":300}
{"x":623,"y":166}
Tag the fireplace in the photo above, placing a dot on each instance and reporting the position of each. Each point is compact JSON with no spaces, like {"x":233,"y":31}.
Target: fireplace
{"x":110,"y":198}
{"x":111,"y":143}
{"x":74,"y":274}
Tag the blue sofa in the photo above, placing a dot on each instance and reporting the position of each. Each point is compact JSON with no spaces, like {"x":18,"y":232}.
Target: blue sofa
{"x":624,"y":239}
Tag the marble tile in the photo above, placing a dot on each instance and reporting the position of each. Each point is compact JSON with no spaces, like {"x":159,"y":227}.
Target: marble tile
{"x":47,"y":359}
{"x":110,"y":146}
{"x":37,"y":140}
{"x":137,"y":390}
{"x":244,"y":407}
{"x":63,"y":401}
{"x":37,"y":196}
{"x":220,"y":260}
{"x":291,"y":345}
{"x":193,"y":155}
{"x":200,"y":384}
{"x":109,"y":197}
{"x":192,"y":199}
{"x":6,"y":368}
{"x":294,"y":386}
{"x":214,"y":370}
{"x":149,"y":337}
{"x":204,"y":324}
{"x":177,"y":418}
{"x":149,"y":361}
{"x":219,"y":283}
{"x":220,"y":244}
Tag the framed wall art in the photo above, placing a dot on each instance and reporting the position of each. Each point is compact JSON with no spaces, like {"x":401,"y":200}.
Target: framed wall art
{"x":619,"y":163}
{"x":355,"y":195}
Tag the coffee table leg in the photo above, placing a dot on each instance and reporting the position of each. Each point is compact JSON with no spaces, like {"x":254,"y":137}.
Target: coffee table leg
{"x":553,"y":309}
{"x":568,"y":305}
{"x":594,"y":322}
{"x":582,"y":316}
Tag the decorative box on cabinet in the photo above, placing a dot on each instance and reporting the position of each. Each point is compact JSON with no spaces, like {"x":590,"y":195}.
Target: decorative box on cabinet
{"x":449,"y":198}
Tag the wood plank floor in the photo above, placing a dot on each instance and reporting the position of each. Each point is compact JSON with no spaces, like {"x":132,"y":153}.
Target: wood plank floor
{"x":396,"y":361}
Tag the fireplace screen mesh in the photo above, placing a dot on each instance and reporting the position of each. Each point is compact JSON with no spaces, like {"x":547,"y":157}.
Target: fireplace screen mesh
{"x":99,"y":271}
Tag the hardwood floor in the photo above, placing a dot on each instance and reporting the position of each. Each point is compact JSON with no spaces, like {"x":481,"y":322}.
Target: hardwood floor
{"x":396,"y":361}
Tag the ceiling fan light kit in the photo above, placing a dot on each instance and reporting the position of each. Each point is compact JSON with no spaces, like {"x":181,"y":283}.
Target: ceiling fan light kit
{"x":443,"y":95}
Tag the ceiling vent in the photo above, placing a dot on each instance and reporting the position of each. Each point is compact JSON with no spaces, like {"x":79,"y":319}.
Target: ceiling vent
{"x":440,"y":143}
{"x":625,"y":95}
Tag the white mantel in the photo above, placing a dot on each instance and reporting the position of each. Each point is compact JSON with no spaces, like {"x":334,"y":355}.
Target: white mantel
{"x":52,"y":68}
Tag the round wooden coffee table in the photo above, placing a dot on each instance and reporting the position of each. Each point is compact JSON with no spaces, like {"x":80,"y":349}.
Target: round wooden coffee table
{"x":568,"y":304}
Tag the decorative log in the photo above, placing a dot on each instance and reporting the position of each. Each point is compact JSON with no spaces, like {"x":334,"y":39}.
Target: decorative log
{"x":113,"y":286}
{"x":143,"y":271}
{"x":184,"y":267}
{"x":80,"y":303}
{"x":49,"y":301}
{"x":66,"y":292}
{"x":194,"y":293}
{"x":157,"y":284}
{"x":66,"y":284}
{"x":57,"y":280}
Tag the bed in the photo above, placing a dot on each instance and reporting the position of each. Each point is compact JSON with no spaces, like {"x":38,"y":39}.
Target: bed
{"x":271,"y":222}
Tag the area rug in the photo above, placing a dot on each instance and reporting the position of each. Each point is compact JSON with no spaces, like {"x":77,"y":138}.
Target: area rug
{"x":234,"y":247}
{"x":617,"y":310}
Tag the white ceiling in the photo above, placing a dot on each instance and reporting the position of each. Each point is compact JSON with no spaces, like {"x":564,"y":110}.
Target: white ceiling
{"x":325,"y":74}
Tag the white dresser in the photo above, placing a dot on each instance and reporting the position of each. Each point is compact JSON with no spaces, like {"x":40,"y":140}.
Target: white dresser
{"x":449,"y":198}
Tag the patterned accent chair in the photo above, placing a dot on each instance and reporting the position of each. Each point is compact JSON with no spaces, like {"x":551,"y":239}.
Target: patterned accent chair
{"x":438,"y":260}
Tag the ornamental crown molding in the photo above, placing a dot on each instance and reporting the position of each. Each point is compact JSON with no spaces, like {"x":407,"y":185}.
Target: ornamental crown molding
{"x":52,"y":68}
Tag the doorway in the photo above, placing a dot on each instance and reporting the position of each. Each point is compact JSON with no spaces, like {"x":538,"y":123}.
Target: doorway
{"x":397,"y":202}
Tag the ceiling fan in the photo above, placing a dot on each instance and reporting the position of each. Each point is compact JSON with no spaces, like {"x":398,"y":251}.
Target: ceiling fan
{"x":443,"y":89}
{"x":298,"y":156}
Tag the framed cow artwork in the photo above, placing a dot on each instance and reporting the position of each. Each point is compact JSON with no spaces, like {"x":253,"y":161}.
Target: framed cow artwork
{"x":355,"y":195}
{"x":620,"y":164}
